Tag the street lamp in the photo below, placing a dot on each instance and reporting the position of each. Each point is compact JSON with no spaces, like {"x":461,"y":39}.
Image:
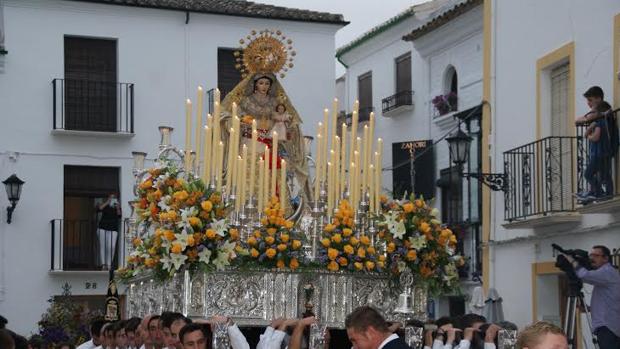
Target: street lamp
{"x":13,"y":186}
{"x":459,"y":144}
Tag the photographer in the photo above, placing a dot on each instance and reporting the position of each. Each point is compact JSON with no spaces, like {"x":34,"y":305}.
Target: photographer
{"x":107,"y":229}
{"x":605,"y":303}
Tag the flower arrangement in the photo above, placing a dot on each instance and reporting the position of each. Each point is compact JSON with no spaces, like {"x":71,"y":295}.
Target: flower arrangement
{"x":188,"y":224}
{"x":341,"y":250}
{"x":417,"y":240}
{"x":276,"y":243}
{"x":445,"y":103}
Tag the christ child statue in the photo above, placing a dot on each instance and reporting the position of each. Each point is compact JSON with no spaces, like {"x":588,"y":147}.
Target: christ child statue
{"x":280,"y":118}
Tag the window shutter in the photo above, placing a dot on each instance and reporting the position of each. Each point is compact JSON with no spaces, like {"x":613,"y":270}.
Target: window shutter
{"x":403,"y":73}
{"x":227,"y":75}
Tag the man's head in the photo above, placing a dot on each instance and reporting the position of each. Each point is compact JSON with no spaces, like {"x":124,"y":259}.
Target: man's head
{"x":444,"y":323}
{"x":193,"y":336}
{"x":366,"y":328}
{"x":472,"y":320}
{"x":175,"y":331}
{"x":599,"y":256}
{"x":154,"y":330}
{"x":108,"y":332}
{"x":594,"y":96}
{"x":165,"y":320}
{"x":95,"y":330}
{"x":542,"y":335}
{"x":144,"y":330}
{"x":6,"y":340}
{"x":133,"y":335}
{"x":120,"y":336}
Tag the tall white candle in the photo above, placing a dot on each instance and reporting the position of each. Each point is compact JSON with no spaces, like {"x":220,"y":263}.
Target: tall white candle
{"x":274,"y":163}
{"x":199,"y":125}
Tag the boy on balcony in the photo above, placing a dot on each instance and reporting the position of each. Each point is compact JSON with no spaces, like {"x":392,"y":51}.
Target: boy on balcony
{"x":602,"y":135}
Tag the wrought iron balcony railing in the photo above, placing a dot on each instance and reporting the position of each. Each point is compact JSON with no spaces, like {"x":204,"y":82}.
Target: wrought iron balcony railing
{"x":77,"y":245}
{"x":86,"y":105}
{"x":400,"y":99}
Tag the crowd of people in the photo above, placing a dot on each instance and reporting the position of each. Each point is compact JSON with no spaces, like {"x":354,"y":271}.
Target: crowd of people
{"x":366,"y":328}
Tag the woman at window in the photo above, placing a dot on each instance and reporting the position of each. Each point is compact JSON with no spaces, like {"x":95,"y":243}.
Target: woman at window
{"x":107,"y":229}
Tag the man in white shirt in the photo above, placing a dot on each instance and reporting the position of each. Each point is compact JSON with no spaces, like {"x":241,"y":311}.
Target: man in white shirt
{"x":95,"y":331}
{"x":194,"y":336}
{"x":132,"y":330}
{"x":237,"y":339}
{"x":367,"y":329}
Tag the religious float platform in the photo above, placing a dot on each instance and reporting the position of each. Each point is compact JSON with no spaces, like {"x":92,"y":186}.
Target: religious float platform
{"x":232,"y":225}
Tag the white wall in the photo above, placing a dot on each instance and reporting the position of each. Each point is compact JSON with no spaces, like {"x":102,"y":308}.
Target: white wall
{"x":165,"y":59}
{"x":524,"y":31}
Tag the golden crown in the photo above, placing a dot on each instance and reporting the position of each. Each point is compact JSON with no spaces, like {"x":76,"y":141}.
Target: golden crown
{"x":265,"y":51}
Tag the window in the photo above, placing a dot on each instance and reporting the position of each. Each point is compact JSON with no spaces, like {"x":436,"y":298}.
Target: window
{"x":451,"y":83}
{"x":76,"y":234}
{"x":364,"y":93}
{"x":90,"y":84}
{"x":403,"y":73}
{"x":559,"y":100}
{"x":228,"y":76}
{"x":451,"y":186}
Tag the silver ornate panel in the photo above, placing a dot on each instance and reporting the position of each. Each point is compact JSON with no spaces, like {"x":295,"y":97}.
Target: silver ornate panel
{"x":255,"y":297}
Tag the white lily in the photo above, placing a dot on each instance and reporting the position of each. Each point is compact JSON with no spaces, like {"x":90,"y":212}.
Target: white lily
{"x":163,"y":203}
{"x":182,"y":239}
{"x":222,"y":260}
{"x":177,"y":259}
{"x":435,"y":212}
{"x":186,"y":213}
{"x":204,"y":256}
{"x":166,"y":263}
{"x":418,"y":242}
{"x":220,"y":227}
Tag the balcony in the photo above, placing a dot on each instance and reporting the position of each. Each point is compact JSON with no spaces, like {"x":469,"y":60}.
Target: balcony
{"x":76,"y":246}
{"x":397,"y":103}
{"x":87,"y":107}
{"x":542,"y":179}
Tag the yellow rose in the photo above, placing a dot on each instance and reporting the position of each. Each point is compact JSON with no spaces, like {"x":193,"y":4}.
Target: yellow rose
{"x":210,"y":234}
{"x":412,"y":255}
{"x":289,"y":225}
{"x":370,"y":250}
{"x":284,"y":238}
{"x":257,"y":234}
{"x":254,"y":253}
{"x":251,"y":241}
{"x":206,"y":205}
{"x":271,"y":231}
{"x":194,"y":221}
{"x":282,"y":247}
{"x":425,"y":227}
{"x":146,"y":184}
{"x":325,"y":242}
{"x":408,"y":207}
{"x":190,"y":241}
{"x":176,"y":248}
{"x":270,"y":240}
{"x":370,"y":265}
{"x":347,"y":232}
{"x":337,"y":238}
{"x":354,"y":241}
{"x":329,"y":227}
{"x":358,"y":265}
{"x":332,"y":253}
{"x":169,"y":235}
{"x":180,"y":195}
{"x":333,"y":266}
{"x":365,"y":240}
{"x":280,"y":264}
{"x":343,"y":261}
{"x":361,"y":252}
{"x":294,"y":264}
{"x":391,"y":247}
{"x":270,"y":253}
{"x":296,"y":244}
{"x":234,"y":234}
{"x":348,"y":249}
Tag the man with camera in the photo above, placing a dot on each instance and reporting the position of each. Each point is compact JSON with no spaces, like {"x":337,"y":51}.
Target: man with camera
{"x":605,"y":302}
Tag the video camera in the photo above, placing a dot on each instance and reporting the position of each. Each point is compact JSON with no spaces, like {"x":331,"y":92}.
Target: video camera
{"x":580,"y":256}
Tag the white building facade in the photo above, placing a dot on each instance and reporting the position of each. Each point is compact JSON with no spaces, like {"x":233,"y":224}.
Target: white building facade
{"x":159,"y":57}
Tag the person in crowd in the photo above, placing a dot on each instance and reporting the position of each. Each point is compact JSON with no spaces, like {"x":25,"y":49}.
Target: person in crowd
{"x":237,"y":339}
{"x":472,"y":320}
{"x":367,"y":329}
{"x":172,"y":325}
{"x":605,"y":301}
{"x":542,"y":335}
{"x":195,"y":336}
{"x":6,"y":340}
{"x":65,"y":345}
{"x":94,"y":330}
{"x":297,"y":337}
{"x":145,"y":334}
{"x":120,"y":336}
{"x":133,"y":334}
{"x":107,"y":229}
{"x":275,"y":334}
{"x":108,"y":332}
{"x":37,"y":342}
{"x":155,"y":333}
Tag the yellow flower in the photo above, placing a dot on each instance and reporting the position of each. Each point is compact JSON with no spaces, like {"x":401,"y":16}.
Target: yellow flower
{"x":370,"y":265}
{"x":176,"y":248}
{"x":381,"y":258}
{"x":270,"y":240}
{"x":325,"y":242}
{"x":296,"y":244}
{"x":137,"y":241}
{"x":251,"y":241}
{"x":294,"y":264}
{"x":337,"y":238}
{"x":370,"y":250}
{"x":271,"y":231}
{"x":257,"y":234}
{"x":288,"y":224}
{"x":348,"y":249}
{"x":408,"y":207}
{"x":343,"y":261}
{"x":354,"y":241}
{"x":206,"y":205}
{"x":332,"y":253}
{"x":234,"y":234}
{"x":282,"y":247}
{"x":146,"y":184}
{"x":284,"y":237}
{"x":210,"y":234}
{"x":190,"y":241}
{"x":254,"y":253}
{"x":361,"y":252}
{"x":419,"y":203}
{"x":180,"y":195}
{"x":333,"y":266}
{"x":380,"y":264}
{"x":425,"y":227}
{"x":391,"y":247}
{"x":150,"y":262}
{"x":194,"y":221}
{"x":169,"y":235}
{"x":152,"y":251}
{"x":412,"y":255}
{"x":346,"y":232}
{"x":280,"y":264}
{"x":365,"y":240}
{"x":270,"y":253}
{"x":358,"y":265}
{"x":329,"y":228}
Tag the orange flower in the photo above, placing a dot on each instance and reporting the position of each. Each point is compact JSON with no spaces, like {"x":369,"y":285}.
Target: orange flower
{"x":150,"y":262}
{"x":176,"y":248}
{"x":137,"y":241}
{"x":257,"y":234}
{"x":284,"y":237}
{"x":370,"y":250}
{"x":337,"y":238}
{"x":282,"y":247}
{"x":329,"y":228}
{"x":354,"y":241}
{"x":296,"y":244}
{"x":251,"y":241}
{"x":391,"y":247}
{"x":254,"y":253}
{"x":271,"y":231}
{"x":194,"y":221}
{"x":419,"y":203}
{"x":361,"y":252}
{"x":332,"y":253}
{"x":426,"y":271}
{"x":293,"y":264}
{"x":270,"y":240}
{"x":346,"y":232}
{"x":214,"y":198}
{"x":408,"y":207}
{"x":210,"y":234}
{"x":380,"y":264}
{"x":288,"y":224}
{"x":190,"y":241}
{"x":280,"y":264}
{"x":381,"y":258}
{"x":425,"y":227}
{"x":370,"y":265}
{"x":343,"y":261}
{"x":206,"y":205}
{"x":365,"y":240}
{"x":180,"y":195}
{"x":333,"y":266}
{"x":234,"y":234}
{"x":270,"y":253}
{"x":146,"y":184}
{"x":412,"y":255}
{"x":325,"y":242}
{"x":358,"y":265}
{"x":348,"y":249}
{"x":169,"y":235}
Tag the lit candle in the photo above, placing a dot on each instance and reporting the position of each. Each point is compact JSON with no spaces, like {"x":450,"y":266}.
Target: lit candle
{"x":334,"y":121}
{"x":377,"y":183}
{"x":317,"y":175}
{"x":209,"y":150}
{"x":283,"y":198}
{"x":329,"y":189}
{"x":206,"y":153}
{"x":371,"y":187}
{"x":216,"y":125}
{"x":261,"y":179}
{"x":243,"y":181}
{"x":265,"y":183}
{"x":343,"y":160}
{"x":274,"y":163}
{"x":239,"y":173}
{"x":237,"y":134}
{"x":336,"y":170}
{"x":230,"y":163}
{"x":358,"y":170}
{"x":365,"y":142}
{"x":354,"y":120}
{"x":252,"y":159}
{"x":199,"y":126}
{"x":188,"y":130}
{"x":351,"y":183}
{"x":218,"y":169}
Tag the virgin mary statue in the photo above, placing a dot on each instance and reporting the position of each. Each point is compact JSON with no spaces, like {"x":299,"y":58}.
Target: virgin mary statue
{"x":261,"y":97}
